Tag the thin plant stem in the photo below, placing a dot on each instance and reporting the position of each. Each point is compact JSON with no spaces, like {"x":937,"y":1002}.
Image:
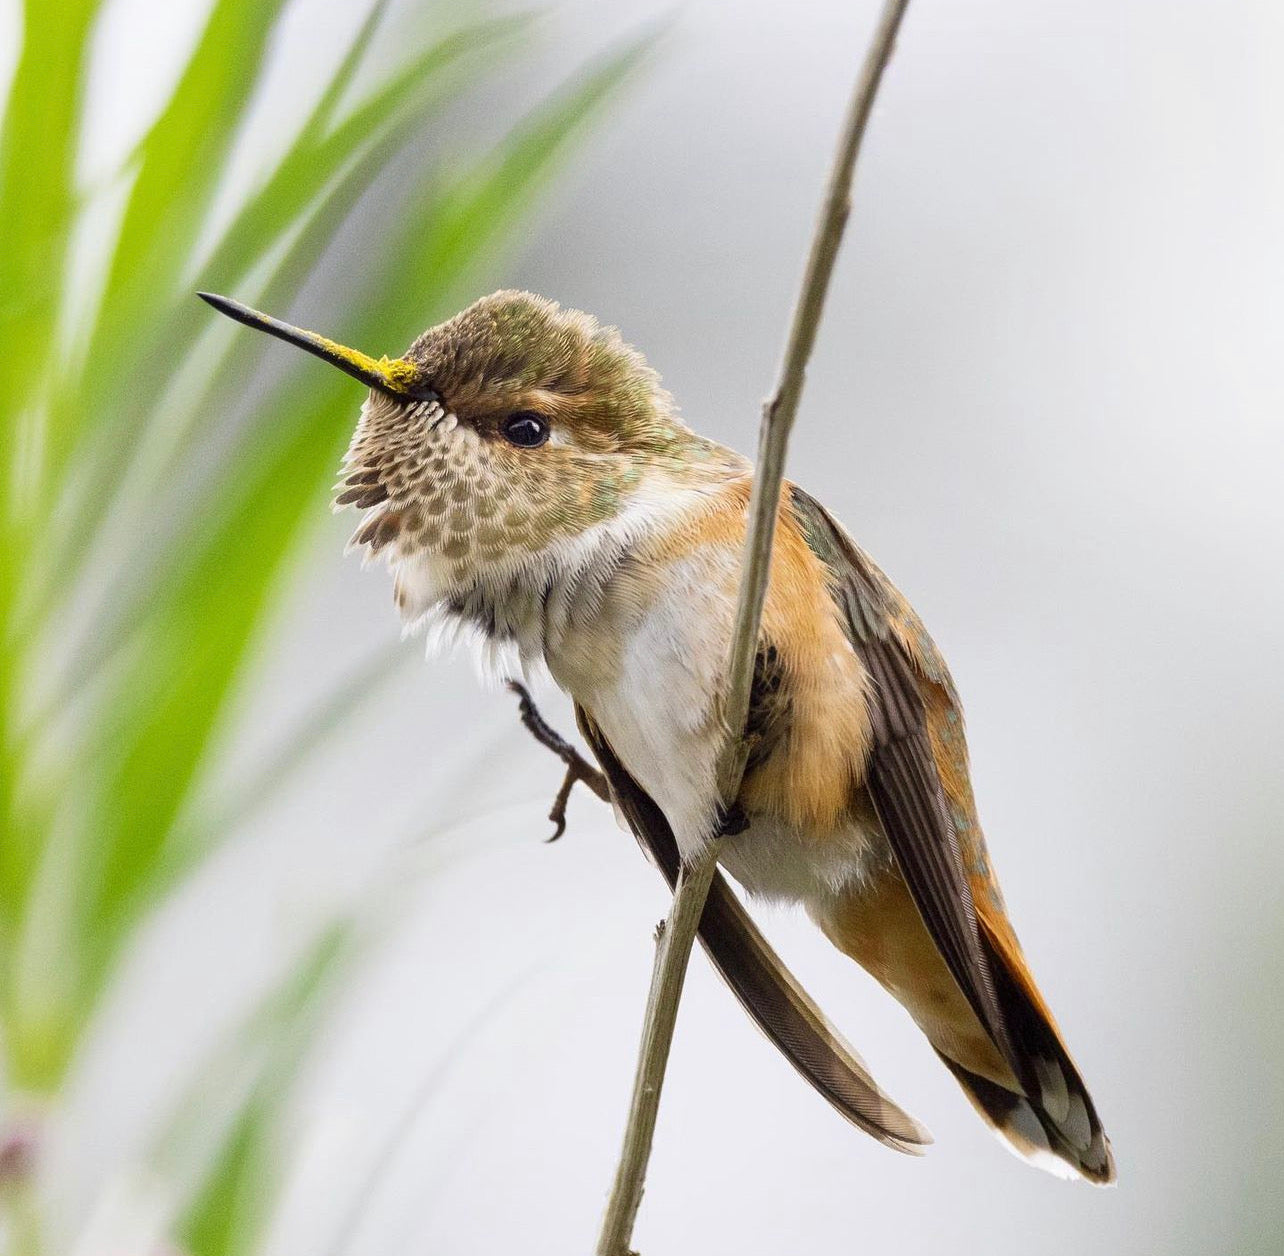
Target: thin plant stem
{"x":672,"y":953}
{"x":678,"y":935}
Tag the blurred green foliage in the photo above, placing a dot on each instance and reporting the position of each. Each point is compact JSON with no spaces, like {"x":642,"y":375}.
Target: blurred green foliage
{"x":133,"y":595}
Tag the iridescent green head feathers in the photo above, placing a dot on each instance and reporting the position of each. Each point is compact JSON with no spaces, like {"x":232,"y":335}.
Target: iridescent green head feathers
{"x":513,"y":350}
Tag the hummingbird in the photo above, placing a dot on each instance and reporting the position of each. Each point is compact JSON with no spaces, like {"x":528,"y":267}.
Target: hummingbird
{"x":530,"y":485}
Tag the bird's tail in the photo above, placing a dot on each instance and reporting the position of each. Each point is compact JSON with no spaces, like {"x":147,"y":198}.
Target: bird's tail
{"x":1052,"y":1121}
{"x":1025,"y":1087}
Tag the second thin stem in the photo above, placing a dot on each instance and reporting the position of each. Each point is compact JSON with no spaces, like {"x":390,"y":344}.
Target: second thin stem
{"x":673,"y":951}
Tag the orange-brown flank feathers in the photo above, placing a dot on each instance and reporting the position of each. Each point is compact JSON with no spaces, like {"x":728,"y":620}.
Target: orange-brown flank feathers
{"x":808,"y":764}
{"x":820,"y":742}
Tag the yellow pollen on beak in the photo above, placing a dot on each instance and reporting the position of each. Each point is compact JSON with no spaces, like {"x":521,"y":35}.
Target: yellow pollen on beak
{"x":397,"y":374}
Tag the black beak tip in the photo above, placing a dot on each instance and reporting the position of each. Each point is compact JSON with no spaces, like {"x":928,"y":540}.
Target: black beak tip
{"x":249,"y":317}
{"x":224,"y":305}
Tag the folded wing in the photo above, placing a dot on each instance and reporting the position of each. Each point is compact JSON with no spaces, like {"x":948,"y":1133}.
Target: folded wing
{"x":764,"y":986}
{"x":917,"y":778}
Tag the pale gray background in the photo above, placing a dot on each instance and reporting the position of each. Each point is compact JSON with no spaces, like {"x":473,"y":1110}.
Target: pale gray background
{"x":1047,"y":397}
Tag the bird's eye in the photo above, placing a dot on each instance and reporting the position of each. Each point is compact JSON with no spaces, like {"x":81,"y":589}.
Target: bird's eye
{"x":525,"y":429}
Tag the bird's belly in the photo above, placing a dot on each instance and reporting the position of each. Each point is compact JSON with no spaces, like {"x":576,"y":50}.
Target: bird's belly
{"x":776,"y":861}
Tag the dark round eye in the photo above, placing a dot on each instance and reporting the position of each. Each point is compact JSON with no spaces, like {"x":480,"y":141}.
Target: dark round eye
{"x":526,"y":429}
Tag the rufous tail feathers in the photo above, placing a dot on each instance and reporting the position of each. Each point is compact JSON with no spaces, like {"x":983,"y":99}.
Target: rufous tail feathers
{"x":1053,"y":1123}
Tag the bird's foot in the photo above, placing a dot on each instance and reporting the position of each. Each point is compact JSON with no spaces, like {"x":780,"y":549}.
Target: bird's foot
{"x":578,"y":768}
{"x":732,"y":820}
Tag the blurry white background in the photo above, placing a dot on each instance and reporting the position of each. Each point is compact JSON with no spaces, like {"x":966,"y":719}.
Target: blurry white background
{"x":1048,"y":398}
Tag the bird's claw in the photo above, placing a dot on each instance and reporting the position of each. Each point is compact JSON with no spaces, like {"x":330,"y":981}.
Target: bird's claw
{"x":578,"y":768}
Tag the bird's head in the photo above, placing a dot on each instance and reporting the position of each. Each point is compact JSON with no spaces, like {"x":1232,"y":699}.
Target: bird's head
{"x":504,"y":439}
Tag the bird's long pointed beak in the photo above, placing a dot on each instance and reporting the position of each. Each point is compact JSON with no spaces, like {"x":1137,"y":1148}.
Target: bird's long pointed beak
{"x":394,"y":376}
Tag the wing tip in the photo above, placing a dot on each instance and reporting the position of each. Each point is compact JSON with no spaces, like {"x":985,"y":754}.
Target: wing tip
{"x":916,"y":1146}
{"x":765,"y":987}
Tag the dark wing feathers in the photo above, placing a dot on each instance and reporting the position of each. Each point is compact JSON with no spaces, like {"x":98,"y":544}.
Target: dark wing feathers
{"x":902,"y":776}
{"x":764,"y":986}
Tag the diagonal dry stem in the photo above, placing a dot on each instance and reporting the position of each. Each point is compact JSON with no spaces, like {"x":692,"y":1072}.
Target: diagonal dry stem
{"x":675,"y":940}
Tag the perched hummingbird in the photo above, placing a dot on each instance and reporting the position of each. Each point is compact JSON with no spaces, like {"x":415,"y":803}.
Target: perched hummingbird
{"x":529,"y":481}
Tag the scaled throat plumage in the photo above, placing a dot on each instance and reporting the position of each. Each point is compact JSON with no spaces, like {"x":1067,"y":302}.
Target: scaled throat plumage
{"x":549,"y":448}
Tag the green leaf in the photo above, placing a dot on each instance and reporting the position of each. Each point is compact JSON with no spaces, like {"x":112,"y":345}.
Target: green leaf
{"x":229,"y":1214}
{"x":197,"y":604}
{"x":213,"y":599}
{"x":237,"y":1177}
{"x":316,"y":158}
{"x":441,"y":244}
{"x":201,"y":626}
{"x":38,"y":144}
{"x":385,"y":121}
{"x":318,"y":182}
{"x":324,"y":719}
{"x":179,"y":166}
{"x":344,"y":73}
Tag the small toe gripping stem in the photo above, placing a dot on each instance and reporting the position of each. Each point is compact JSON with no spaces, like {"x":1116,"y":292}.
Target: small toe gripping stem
{"x":578,"y":768}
